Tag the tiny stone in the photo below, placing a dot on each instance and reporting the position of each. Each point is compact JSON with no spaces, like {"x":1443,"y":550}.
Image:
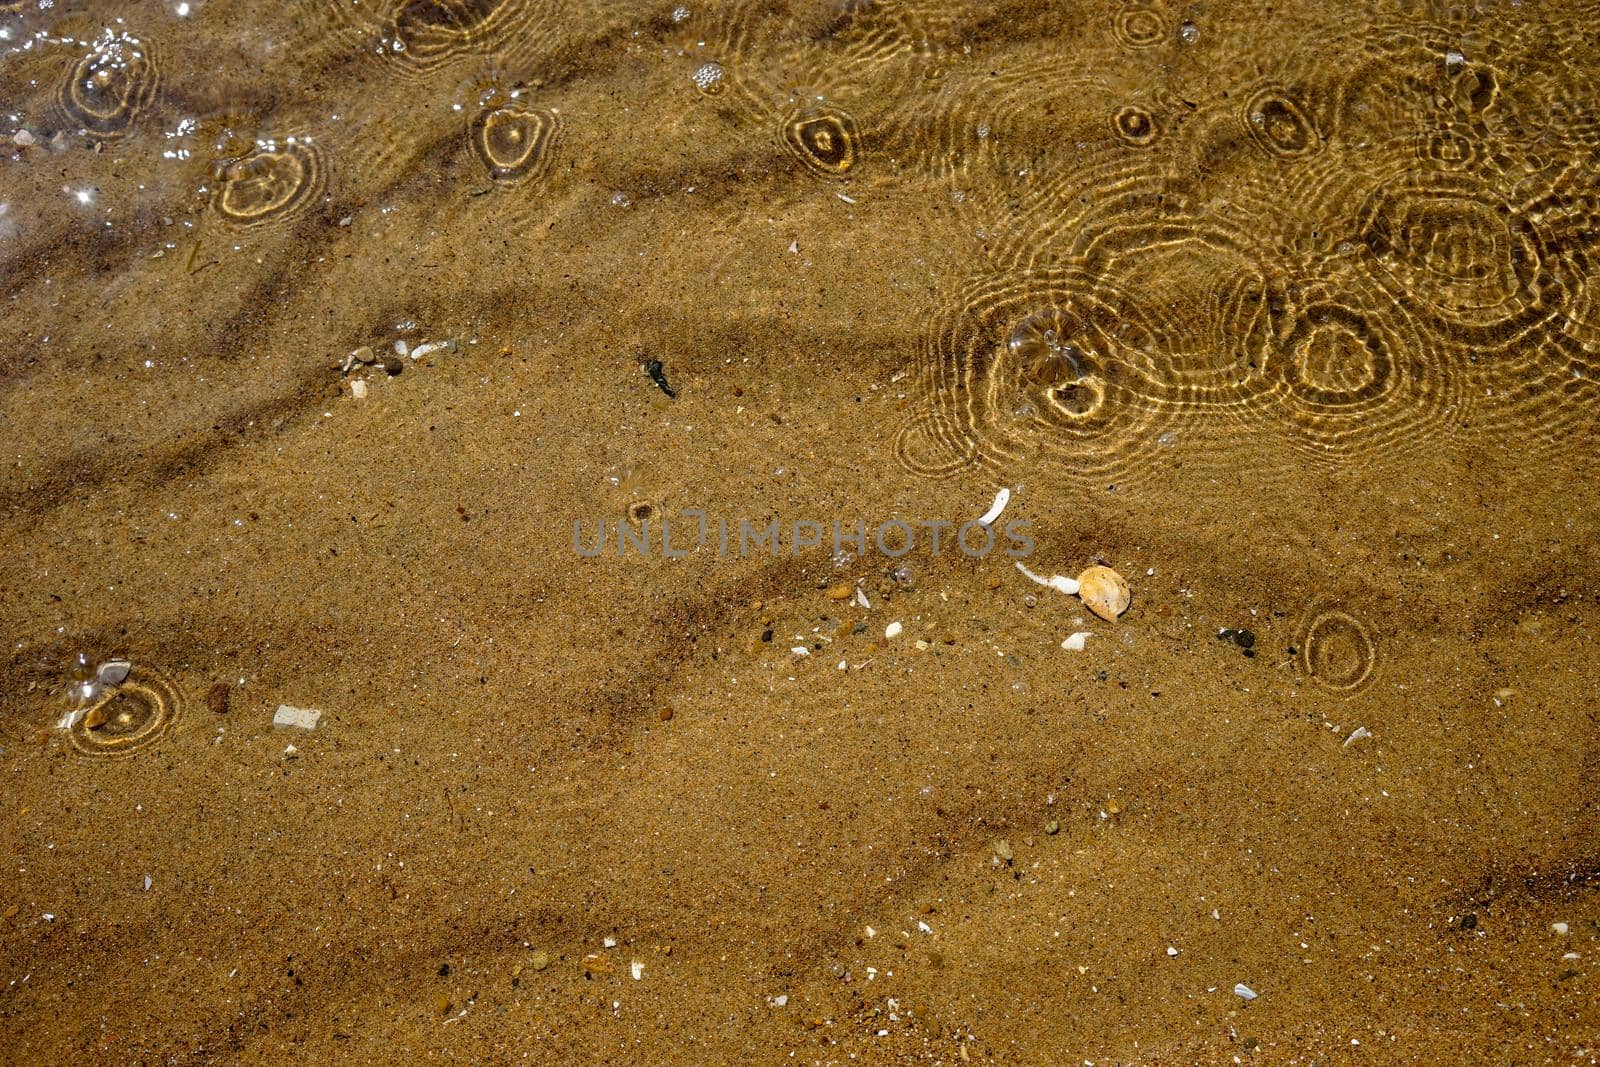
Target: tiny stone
{"x":218,"y":698}
{"x":22,"y":139}
{"x":1560,"y":928}
{"x":540,"y":961}
{"x":1002,"y":850}
{"x":393,"y":365}
{"x":1052,"y":827}
{"x":666,"y":714}
{"x":1244,"y":992}
{"x":364,"y":354}
{"x":358,"y":389}
{"x":893,"y":630}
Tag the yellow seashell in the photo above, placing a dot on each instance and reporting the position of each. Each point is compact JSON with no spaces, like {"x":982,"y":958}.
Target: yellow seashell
{"x":1104,"y":592}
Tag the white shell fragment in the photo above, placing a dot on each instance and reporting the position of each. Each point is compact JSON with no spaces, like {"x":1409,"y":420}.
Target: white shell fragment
{"x":1244,"y":992}
{"x":113,"y":672}
{"x":1001,"y":499}
{"x":893,"y":630}
{"x":1059,"y":582}
{"x":299,"y":718}
{"x":358,"y":389}
{"x":636,"y":969}
{"x":1355,"y":735}
{"x":1074,"y":643}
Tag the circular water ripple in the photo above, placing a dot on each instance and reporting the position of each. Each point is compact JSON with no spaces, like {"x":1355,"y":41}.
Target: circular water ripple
{"x":1280,"y":124}
{"x":931,"y":445}
{"x":514,"y":143}
{"x":1355,"y":377}
{"x":420,"y":37}
{"x":1136,"y":125}
{"x":1334,"y":648}
{"x":1052,"y":366}
{"x":1139,"y":26}
{"x":823,"y":139}
{"x":109,"y":88}
{"x":1474,"y":269}
{"x":274,"y":183}
{"x":128,"y":717}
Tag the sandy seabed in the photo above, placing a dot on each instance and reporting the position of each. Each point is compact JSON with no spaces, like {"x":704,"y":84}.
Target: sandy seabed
{"x":326,"y":324}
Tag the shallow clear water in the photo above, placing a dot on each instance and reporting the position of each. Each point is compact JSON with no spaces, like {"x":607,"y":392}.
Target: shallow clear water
{"x":588,"y":408}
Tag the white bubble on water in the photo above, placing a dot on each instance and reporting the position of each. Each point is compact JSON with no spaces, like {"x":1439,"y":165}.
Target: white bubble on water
{"x":709,"y":78}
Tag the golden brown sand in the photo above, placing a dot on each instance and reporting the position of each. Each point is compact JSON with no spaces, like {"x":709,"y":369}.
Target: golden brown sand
{"x":1288,"y":314}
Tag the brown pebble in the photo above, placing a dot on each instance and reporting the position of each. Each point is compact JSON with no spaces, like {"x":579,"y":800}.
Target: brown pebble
{"x":97,"y":717}
{"x":666,"y":714}
{"x":393,"y":364}
{"x":11,"y":912}
{"x":595,"y":963}
{"x":994,"y":583}
{"x":364,"y":354}
{"x":218,"y":698}
{"x":841,"y":591}
{"x":443,"y":1004}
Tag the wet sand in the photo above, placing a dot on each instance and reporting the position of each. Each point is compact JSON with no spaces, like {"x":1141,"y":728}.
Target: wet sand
{"x":1288,"y":316}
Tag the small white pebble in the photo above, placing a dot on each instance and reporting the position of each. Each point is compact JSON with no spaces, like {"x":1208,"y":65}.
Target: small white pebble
{"x":147,"y":883}
{"x":781,"y":1000}
{"x":636,"y":969}
{"x":893,"y":630}
{"x":800,"y":650}
{"x":1075,"y":642}
{"x":609,"y":942}
{"x":358,"y":389}
{"x":1172,"y":950}
{"x":1560,"y":928}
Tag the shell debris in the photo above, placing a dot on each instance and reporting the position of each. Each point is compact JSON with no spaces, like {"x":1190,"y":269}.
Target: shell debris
{"x":1104,"y":592}
{"x":1001,"y":499}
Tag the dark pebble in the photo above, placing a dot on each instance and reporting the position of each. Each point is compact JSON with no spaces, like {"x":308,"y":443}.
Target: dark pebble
{"x":218,"y":697}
